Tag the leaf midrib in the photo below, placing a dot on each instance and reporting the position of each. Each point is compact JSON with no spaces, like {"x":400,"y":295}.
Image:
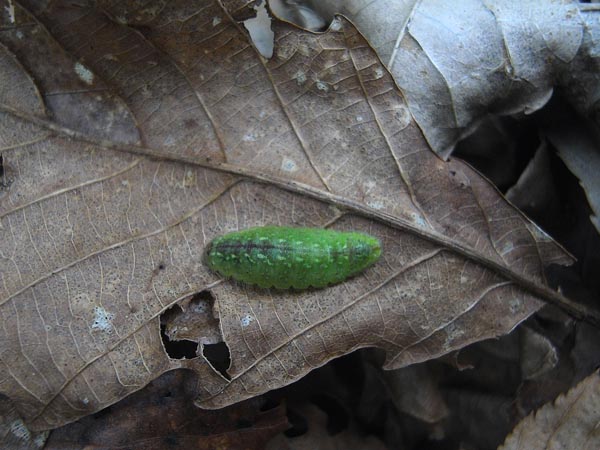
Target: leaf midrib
{"x":535,"y":288}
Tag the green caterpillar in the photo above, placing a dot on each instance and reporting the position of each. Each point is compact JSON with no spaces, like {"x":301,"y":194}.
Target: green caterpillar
{"x":286,"y":257}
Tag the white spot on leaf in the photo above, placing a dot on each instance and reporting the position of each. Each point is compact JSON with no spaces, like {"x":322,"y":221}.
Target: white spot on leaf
{"x":102,"y":319}
{"x":246,"y":320}
{"x":249,"y":137}
{"x":84,"y":73}
{"x":515,"y":305}
{"x":300,"y":77}
{"x":419,"y":220}
{"x":375,"y":204}
{"x":289,"y":165}
{"x":322,"y":86}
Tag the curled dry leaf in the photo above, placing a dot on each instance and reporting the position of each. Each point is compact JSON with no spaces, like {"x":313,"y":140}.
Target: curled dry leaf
{"x":538,"y":354}
{"x":498,"y":57}
{"x":133,"y":135}
{"x":571,"y":422}
{"x":459,"y":61}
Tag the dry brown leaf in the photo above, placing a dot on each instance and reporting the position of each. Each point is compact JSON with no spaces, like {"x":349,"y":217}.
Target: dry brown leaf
{"x":162,"y":415}
{"x":132,"y":134}
{"x":538,"y":354}
{"x":471,"y":59}
{"x":571,"y":422}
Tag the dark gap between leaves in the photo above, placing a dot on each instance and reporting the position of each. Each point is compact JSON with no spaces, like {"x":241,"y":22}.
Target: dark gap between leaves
{"x":337,"y":416}
{"x":102,"y":413}
{"x":243,"y":423}
{"x":269,"y":403}
{"x":171,"y":441}
{"x":298,"y":424}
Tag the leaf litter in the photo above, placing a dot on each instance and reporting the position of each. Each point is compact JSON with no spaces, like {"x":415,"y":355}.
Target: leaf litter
{"x":110,"y":207}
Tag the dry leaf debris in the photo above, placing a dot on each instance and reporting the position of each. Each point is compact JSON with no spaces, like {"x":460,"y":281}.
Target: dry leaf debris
{"x":132,"y":135}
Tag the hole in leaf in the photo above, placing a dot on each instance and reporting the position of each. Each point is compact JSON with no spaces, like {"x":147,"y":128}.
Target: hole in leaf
{"x":218,"y":356}
{"x":259,"y":28}
{"x":179,"y":349}
{"x":206,"y":296}
{"x":176,"y":349}
{"x":191,"y":323}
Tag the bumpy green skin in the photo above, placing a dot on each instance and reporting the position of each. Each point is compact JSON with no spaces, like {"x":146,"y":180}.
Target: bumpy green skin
{"x":285,"y":257}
